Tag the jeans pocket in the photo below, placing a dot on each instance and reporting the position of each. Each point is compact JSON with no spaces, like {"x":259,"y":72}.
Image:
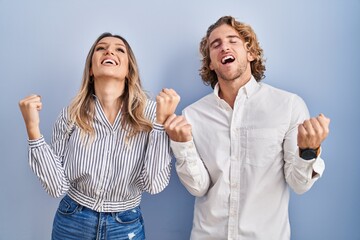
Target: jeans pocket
{"x":129,"y":216}
{"x":67,"y":206}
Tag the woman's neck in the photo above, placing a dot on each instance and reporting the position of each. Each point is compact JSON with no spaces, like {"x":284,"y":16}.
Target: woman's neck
{"x":109,"y":94}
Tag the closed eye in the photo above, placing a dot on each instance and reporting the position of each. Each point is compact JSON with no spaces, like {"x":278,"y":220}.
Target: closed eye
{"x":234,"y":39}
{"x":99,"y":48}
{"x":121,"y":50}
{"x":215,"y":45}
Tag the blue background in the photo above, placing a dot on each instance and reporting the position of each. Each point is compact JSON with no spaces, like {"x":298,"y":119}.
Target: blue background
{"x":311,"y":47}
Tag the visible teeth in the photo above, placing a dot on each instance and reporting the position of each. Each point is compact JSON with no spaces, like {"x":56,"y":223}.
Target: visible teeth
{"x":109,"y":61}
{"x":227,"y":59}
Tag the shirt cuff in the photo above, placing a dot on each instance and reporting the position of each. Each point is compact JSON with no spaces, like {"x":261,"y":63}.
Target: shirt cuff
{"x":183,"y":150}
{"x":158,"y":127}
{"x":317,"y":165}
{"x":34,"y":143}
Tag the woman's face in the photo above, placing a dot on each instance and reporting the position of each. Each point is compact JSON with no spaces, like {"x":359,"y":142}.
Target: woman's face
{"x":110,"y":59}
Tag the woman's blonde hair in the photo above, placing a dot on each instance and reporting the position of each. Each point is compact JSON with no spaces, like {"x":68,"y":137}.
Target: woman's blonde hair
{"x":82,"y":107}
{"x":248,"y":36}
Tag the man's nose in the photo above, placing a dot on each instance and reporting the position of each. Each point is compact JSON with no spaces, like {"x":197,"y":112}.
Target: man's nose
{"x":224,"y":47}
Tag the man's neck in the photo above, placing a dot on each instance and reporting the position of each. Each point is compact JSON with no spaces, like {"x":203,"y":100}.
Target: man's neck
{"x":228,"y":90}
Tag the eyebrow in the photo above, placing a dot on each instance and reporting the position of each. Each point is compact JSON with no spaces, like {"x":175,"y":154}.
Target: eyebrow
{"x":118,"y":44}
{"x":219,"y":40}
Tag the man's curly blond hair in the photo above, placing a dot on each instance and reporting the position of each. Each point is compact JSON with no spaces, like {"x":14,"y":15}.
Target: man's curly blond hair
{"x":248,"y":35}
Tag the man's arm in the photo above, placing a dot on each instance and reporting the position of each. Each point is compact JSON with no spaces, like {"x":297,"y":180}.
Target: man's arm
{"x":189,"y":166}
{"x":301,"y":168}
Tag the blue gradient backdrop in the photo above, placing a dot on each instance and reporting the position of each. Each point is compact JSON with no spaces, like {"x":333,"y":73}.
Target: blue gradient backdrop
{"x":311,"y":47}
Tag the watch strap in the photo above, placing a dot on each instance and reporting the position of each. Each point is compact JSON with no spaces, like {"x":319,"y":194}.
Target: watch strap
{"x":308,"y":153}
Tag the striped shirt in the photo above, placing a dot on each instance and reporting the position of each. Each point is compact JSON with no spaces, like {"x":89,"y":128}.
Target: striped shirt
{"x":108,"y":172}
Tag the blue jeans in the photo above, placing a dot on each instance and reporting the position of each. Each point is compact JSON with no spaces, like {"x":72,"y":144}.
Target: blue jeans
{"x":75,"y":222}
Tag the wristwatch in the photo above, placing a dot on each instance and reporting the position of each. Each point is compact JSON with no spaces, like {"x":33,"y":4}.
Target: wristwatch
{"x":308,"y":153}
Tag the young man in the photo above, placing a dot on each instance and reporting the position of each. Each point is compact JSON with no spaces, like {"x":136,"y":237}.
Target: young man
{"x":240,"y":147}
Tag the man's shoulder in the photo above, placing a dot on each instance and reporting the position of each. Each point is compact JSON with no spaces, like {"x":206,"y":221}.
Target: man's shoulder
{"x":202,"y":102}
{"x":278,"y":96}
{"x":276,"y":92}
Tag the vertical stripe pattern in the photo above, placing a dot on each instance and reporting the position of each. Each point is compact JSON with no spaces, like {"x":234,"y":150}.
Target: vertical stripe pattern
{"x":108,"y":172}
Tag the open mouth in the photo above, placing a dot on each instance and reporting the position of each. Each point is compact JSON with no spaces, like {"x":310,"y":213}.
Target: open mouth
{"x":227,"y":59}
{"x":109,"y":62}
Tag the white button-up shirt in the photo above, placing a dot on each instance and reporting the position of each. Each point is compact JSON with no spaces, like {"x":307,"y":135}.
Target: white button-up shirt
{"x":241,"y":162}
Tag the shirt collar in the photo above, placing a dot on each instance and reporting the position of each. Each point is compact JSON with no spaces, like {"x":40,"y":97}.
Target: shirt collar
{"x":249,"y":88}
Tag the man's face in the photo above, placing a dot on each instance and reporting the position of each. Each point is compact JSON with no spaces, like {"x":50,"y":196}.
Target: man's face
{"x":228,"y":55}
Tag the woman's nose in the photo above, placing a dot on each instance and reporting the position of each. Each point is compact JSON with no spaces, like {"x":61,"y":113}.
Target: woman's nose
{"x":109,"y":51}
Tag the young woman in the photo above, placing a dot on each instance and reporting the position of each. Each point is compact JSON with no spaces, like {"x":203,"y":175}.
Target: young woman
{"x":108,"y":146}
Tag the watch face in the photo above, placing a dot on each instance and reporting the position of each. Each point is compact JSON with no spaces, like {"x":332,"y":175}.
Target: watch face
{"x":308,"y":154}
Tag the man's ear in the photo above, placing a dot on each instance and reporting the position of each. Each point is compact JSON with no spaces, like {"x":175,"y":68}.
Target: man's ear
{"x":211,"y":67}
{"x":250,"y":56}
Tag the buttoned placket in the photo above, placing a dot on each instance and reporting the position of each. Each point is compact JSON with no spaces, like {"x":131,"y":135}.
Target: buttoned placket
{"x":235,"y":165}
{"x":106,"y":163}
{"x":105,"y":171}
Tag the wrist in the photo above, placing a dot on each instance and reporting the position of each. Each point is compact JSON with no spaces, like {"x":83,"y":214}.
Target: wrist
{"x":309,"y":153}
{"x":159,"y":120}
{"x":33,"y":133}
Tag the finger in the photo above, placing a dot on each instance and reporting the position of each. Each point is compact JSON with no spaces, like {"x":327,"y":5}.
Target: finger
{"x":39,"y":107}
{"x":162,"y":94}
{"x":169,"y":120}
{"x":34,"y":97}
{"x":161,"y":97}
{"x":30,"y":98}
{"x":183,"y":127}
{"x":308,"y":127}
{"x":170,"y":91}
{"x":34,"y":105}
{"x":185,"y":131}
{"x":302,"y":130}
{"x":165,"y":96}
{"x":324,"y":121}
{"x":316,"y":125}
{"x":178,"y":122}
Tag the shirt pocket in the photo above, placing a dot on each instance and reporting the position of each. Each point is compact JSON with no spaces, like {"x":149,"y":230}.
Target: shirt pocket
{"x":261,"y":146}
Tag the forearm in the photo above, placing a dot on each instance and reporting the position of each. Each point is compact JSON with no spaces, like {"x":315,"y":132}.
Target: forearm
{"x":157,"y":161}
{"x":301,"y":174}
{"x":190,"y":168}
{"x":47,"y":167}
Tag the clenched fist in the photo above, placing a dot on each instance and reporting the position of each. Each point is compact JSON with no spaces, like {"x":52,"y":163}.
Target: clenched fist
{"x":178,"y":129}
{"x":313,"y":132}
{"x":166,"y":103}
{"x":30,"y":107}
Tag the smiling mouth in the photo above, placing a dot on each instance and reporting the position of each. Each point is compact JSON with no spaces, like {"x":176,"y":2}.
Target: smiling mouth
{"x":109,"y":62}
{"x":227,"y":59}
